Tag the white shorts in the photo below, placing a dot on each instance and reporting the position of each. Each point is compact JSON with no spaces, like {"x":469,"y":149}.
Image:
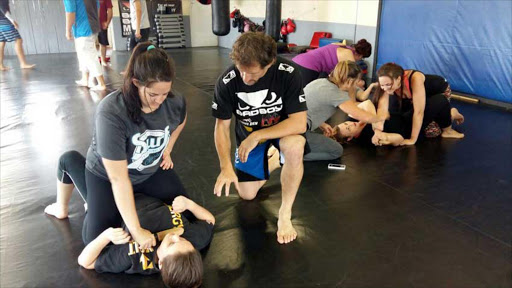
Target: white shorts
{"x":87,"y":55}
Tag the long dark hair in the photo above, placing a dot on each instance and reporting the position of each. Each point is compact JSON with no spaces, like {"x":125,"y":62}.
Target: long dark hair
{"x":363,"y":48}
{"x":392,"y":71}
{"x":148,"y":67}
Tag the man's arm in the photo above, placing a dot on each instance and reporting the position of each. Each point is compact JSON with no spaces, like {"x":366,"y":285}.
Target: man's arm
{"x":295,"y":124}
{"x":223,"y":145}
{"x":109,"y":16}
{"x":88,"y":257}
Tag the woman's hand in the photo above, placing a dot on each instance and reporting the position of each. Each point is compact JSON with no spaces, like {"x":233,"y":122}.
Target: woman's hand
{"x":144,"y":238}
{"x":167,"y":161}
{"x":327,"y":129}
{"x":117,"y":235}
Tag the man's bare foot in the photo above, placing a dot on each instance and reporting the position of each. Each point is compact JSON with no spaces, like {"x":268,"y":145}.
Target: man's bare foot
{"x":57,"y":211}
{"x":285,"y":231}
{"x":450,"y":133}
{"x":456,"y":116}
{"x":27,"y":66}
{"x":4,"y":68}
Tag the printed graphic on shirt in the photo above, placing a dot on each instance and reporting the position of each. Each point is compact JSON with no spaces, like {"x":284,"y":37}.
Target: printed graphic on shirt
{"x":149,"y":147}
{"x":229,"y":76}
{"x":214,"y":105}
{"x":286,"y":67}
{"x":176,"y":218}
{"x":145,"y":262}
{"x":258,"y":103}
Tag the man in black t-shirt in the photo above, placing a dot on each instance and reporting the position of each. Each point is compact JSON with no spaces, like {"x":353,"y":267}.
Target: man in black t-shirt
{"x":264,"y":92}
{"x":176,"y":254}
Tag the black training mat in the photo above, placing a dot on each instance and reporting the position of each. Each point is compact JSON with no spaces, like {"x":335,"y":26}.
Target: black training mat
{"x":438,"y":214}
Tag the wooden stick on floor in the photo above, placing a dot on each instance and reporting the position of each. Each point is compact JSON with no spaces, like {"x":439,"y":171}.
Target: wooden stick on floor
{"x":465,"y":99}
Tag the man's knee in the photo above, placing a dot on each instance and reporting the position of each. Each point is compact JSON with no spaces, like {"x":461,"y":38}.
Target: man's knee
{"x":292,"y":148}
{"x":248,"y":195}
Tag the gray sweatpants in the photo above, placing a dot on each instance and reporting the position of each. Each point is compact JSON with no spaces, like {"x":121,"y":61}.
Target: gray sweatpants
{"x":322,"y":148}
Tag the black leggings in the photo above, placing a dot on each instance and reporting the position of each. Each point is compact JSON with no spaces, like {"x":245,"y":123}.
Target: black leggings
{"x":102,"y":209}
{"x":437,"y":108}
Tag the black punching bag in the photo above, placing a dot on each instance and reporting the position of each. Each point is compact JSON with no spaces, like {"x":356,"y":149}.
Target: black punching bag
{"x":220,"y":17}
{"x":273,"y":18}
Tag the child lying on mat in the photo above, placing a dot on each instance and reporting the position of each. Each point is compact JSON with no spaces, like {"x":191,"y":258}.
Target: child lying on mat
{"x":176,"y":254}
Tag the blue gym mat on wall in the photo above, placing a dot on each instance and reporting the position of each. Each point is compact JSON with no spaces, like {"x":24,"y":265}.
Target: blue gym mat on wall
{"x":467,"y":42}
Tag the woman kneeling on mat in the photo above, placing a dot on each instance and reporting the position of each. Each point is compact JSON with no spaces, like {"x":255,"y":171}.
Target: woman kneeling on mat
{"x":325,"y":58}
{"x":135,"y":130}
{"x":324,"y":96}
{"x":416,"y":96}
{"x":181,"y":230}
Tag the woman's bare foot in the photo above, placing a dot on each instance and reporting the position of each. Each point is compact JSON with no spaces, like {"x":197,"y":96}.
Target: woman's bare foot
{"x":456,"y":116}
{"x":27,"y":66}
{"x":57,"y":211}
{"x":285,"y":231}
{"x":450,"y":133}
{"x":4,"y":68}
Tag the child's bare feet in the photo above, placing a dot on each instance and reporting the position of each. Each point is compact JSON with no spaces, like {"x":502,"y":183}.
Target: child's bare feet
{"x":4,"y":68}
{"x":450,"y":133}
{"x":57,"y":211}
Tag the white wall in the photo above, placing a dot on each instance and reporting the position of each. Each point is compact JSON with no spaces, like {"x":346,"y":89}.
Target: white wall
{"x":200,"y":23}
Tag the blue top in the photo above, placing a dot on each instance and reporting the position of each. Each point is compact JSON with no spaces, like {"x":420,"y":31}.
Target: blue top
{"x":86,"y":16}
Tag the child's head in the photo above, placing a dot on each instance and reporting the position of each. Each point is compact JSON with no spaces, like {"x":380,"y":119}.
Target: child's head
{"x":181,"y":265}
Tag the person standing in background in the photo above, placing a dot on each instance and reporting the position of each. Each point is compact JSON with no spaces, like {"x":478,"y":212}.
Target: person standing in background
{"x":82,"y":25}
{"x":9,"y":33}
{"x":140,"y":22}
{"x":105,"y":18}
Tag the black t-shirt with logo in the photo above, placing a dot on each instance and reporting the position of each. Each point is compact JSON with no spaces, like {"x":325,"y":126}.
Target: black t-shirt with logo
{"x":155,"y":216}
{"x":269,"y":101}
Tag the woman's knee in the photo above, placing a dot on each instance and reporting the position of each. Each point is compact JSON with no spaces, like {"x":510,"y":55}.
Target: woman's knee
{"x":69,"y":158}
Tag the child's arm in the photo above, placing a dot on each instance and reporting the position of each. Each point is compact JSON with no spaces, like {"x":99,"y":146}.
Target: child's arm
{"x":363,"y":95}
{"x":88,"y":257}
{"x":182,"y":203}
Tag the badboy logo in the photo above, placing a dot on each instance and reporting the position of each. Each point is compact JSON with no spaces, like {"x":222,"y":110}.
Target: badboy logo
{"x":229,"y":76}
{"x":148,"y":148}
{"x":286,"y":67}
{"x":259,"y":102}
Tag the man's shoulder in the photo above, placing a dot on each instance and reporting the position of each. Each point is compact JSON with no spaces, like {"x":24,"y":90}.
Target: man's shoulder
{"x":285,"y":67}
{"x":227,"y":77}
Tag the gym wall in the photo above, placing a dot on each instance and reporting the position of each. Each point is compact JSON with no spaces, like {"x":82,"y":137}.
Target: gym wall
{"x":467,"y":42}
{"x":347,"y":19}
{"x":42,"y":27}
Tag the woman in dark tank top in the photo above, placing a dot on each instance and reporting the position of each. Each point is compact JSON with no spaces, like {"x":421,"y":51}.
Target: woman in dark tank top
{"x":418,"y":97}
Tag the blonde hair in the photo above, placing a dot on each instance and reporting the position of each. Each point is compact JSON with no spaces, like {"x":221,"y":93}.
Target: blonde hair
{"x":344,"y":71}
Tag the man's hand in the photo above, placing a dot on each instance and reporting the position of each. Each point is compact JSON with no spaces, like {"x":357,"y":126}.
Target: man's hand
{"x":166,"y":161}
{"x":117,"y":235}
{"x":137,"y":34}
{"x":69,"y":36}
{"x":104,"y":25}
{"x":226,"y":177}
{"x":246,"y":147}
{"x":180,"y":204}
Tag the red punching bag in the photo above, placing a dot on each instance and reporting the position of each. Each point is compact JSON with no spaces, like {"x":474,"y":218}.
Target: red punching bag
{"x":205,"y":2}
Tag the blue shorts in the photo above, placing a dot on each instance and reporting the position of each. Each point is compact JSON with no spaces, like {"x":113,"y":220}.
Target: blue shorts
{"x":8,"y":33}
{"x":256,"y":167}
